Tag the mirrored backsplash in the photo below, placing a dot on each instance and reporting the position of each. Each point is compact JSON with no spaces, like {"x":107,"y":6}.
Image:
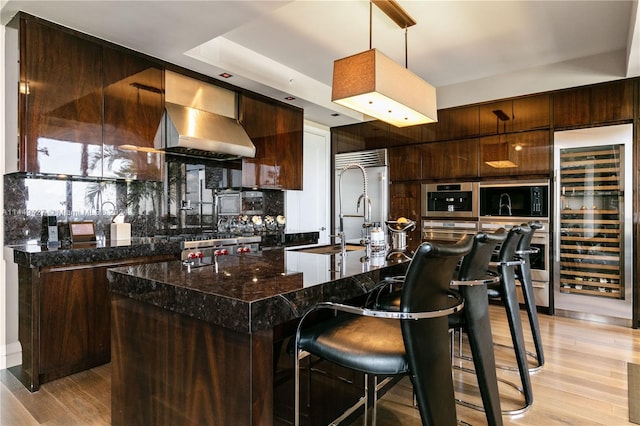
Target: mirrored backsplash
{"x":153,"y":208}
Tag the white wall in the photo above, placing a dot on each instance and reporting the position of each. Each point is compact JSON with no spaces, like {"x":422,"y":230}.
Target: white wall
{"x":310,"y":209}
{"x":4,"y":323}
{"x":10,"y":349}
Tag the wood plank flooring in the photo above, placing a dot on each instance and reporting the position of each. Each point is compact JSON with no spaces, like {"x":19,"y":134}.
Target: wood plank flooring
{"x":583,"y":382}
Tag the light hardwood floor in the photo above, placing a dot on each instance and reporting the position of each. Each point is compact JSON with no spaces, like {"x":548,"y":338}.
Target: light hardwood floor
{"x":583,"y":382}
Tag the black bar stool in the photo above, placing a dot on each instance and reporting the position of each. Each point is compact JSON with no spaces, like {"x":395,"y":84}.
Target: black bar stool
{"x":474,"y":320}
{"x":472,"y":281}
{"x":523,"y":272}
{"x":413,"y":340}
{"x":506,"y":292}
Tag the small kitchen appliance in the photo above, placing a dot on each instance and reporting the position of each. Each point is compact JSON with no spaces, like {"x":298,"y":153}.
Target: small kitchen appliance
{"x":398,"y":232}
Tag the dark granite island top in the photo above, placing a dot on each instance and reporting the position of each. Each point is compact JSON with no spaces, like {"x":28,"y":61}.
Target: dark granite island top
{"x":202,"y":346}
{"x":35,"y":255}
{"x":252,"y":292}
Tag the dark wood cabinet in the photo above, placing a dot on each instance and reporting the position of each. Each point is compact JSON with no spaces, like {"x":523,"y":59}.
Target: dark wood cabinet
{"x":461,"y":122}
{"x":531,"y":113}
{"x":496,"y":117}
{"x":360,"y":137}
{"x":60,"y":102}
{"x":432,"y":132}
{"x":85,"y":108}
{"x":399,"y":136}
{"x":75,"y":314}
{"x":612,"y":101}
{"x":596,"y":104}
{"x":529,"y":153}
{"x":276,"y":131}
{"x":133,"y":108}
{"x":404,"y":201}
{"x":571,"y":107}
{"x":405,"y":163}
{"x":289,"y":148}
{"x":515,"y":115}
{"x":65,"y":319}
{"x":450,"y":159}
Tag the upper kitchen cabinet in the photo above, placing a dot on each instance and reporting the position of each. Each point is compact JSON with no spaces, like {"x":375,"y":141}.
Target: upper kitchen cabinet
{"x":60,"y":102}
{"x":531,"y":113}
{"x":405,"y":163}
{"x":453,"y":123}
{"x":458,"y":123}
{"x":450,"y":159}
{"x":276,"y":131}
{"x":496,"y":118}
{"x":399,"y":136}
{"x":360,"y":137}
{"x":515,"y":115}
{"x":515,"y":154}
{"x":602,"y":103}
{"x":133,"y":108}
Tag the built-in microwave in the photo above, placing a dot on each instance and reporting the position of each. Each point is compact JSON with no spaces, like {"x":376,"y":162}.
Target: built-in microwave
{"x":520,"y":199}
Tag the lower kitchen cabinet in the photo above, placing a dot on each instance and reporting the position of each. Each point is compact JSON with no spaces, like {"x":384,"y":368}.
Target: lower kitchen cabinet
{"x":65,"y":319}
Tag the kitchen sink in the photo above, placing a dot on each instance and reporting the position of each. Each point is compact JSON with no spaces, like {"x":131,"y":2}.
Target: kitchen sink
{"x":329,"y":249}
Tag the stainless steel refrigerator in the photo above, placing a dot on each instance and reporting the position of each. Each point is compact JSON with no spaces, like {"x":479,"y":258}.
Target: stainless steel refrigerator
{"x":593,"y":222}
{"x":350,"y":204}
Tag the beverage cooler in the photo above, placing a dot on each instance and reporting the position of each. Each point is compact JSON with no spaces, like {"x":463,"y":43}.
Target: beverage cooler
{"x":593,"y":223}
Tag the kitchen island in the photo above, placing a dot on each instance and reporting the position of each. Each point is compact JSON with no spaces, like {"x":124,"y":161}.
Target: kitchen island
{"x":198,"y":345}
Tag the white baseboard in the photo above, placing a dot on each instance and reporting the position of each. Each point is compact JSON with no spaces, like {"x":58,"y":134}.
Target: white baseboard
{"x":10,"y":355}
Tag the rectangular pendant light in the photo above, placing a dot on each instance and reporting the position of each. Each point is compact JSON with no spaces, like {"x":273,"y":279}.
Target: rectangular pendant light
{"x":375,"y":85}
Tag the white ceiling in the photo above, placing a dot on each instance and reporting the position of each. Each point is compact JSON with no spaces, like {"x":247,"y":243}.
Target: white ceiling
{"x":471,"y":51}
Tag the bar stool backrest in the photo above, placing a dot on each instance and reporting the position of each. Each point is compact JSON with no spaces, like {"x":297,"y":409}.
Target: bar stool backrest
{"x":511,"y":243}
{"x":527,"y":235}
{"x":475,"y":265}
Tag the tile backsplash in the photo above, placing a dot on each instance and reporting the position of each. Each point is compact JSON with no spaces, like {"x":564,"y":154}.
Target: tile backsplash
{"x":152,"y":208}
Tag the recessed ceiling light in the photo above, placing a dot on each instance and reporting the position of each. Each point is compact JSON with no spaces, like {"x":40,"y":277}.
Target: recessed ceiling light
{"x":289,"y":98}
{"x":226,"y":75}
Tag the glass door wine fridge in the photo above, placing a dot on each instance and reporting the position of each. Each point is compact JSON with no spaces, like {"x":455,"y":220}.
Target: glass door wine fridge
{"x":592,"y":234}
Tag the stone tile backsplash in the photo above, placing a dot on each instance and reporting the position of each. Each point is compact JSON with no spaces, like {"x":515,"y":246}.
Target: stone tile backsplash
{"x":152,"y":208}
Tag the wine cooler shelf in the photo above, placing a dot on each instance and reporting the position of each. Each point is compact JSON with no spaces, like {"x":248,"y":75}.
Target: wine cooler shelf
{"x":591,"y":247}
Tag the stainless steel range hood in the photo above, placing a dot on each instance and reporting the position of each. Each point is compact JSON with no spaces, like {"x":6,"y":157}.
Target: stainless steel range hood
{"x":201,"y":120}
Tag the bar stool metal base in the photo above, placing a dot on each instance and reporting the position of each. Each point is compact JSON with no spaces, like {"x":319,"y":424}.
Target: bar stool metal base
{"x":477,"y":407}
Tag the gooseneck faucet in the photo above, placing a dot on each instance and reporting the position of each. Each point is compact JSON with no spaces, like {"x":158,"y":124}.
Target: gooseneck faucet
{"x":363,"y":198}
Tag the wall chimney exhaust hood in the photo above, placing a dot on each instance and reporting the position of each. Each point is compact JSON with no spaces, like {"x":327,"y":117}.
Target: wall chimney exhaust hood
{"x":200,"y":120}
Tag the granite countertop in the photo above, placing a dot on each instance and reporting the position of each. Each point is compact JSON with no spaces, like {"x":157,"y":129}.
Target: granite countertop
{"x":35,"y":255}
{"x":253,"y":291}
